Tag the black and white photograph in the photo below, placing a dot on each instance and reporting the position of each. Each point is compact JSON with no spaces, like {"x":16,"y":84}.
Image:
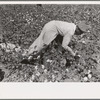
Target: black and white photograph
{"x":49,"y":50}
{"x":49,"y":42}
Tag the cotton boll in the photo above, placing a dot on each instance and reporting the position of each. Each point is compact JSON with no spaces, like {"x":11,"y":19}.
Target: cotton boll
{"x":50,"y":61}
{"x":25,"y":52}
{"x":33,"y":77}
{"x":18,"y":49}
{"x":45,"y":71}
{"x":85,"y":79}
{"x":43,"y":66}
{"x":67,"y":70}
{"x":38,"y":57}
{"x":30,"y":57}
{"x":89,"y":76}
{"x":83,"y":42}
{"x":89,"y":71}
{"x":8,"y":47}
{"x":30,"y":80}
{"x":38,"y":74}
{"x":3,"y":45}
{"x":36,"y":67}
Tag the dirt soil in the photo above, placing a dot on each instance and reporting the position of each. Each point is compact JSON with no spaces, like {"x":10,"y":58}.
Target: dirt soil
{"x":21,"y":25}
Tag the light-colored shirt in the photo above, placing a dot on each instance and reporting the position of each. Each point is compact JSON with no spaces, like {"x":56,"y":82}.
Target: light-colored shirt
{"x":49,"y":33}
{"x":53,"y":28}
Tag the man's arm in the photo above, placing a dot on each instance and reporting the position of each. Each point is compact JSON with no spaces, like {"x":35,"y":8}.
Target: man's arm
{"x":70,"y":50}
{"x":65,"y":43}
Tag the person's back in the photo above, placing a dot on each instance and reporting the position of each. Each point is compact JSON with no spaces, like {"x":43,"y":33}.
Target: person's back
{"x":60,"y":27}
{"x":55,"y":27}
{"x":65,"y":27}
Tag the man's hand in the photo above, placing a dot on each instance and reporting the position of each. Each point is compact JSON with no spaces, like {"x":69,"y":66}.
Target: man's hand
{"x":77,"y":56}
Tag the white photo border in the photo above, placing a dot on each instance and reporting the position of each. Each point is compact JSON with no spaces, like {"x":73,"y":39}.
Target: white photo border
{"x":50,"y":90}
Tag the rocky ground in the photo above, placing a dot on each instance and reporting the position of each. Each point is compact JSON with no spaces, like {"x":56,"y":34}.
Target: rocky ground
{"x":20,"y":25}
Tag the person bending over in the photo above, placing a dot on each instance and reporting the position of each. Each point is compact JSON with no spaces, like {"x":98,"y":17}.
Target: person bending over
{"x":51,"y":30}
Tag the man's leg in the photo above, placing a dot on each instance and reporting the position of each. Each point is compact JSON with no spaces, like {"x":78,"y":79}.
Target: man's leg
{"x":38,"y":51}
{"x":41,"y":43}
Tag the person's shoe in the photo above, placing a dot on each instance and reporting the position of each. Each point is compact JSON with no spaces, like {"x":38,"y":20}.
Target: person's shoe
{"x":25,"y":61}
{"x":77,"y":57}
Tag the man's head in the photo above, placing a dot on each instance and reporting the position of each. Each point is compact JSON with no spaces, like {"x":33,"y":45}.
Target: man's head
{"x":81,"y":28}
